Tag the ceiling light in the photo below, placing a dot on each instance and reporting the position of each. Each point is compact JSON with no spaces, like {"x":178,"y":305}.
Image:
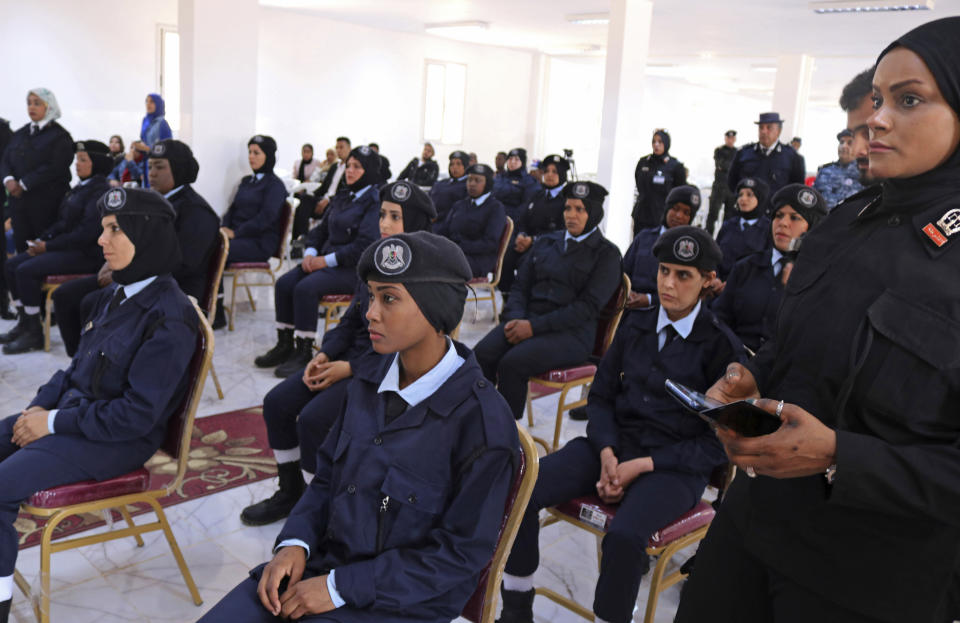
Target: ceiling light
{"x":449,"y":28}
{"x":871,"y":6}
{"x":574,"y":50}
{"x":764,"y":68}
{"x":589,"y":19}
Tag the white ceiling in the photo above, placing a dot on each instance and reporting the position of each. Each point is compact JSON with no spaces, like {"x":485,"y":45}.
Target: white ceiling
{"x":717,"y":43}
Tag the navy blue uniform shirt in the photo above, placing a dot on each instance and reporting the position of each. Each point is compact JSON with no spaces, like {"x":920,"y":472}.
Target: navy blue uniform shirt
{"x":751,"y":298}
{"x":739,"y":239}
{"x":197,"y":231}
{"x":447,"y":192}
{"x":477,"y":230}
{"x":350,"y":224}
{"x":640,"y":264}
{"x":256,"y":209}
{"x":78,"y":225}
{"x":781,"y":167}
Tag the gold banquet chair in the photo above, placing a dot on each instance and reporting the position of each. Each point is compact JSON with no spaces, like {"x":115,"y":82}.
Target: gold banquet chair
{"x":490,"y":285}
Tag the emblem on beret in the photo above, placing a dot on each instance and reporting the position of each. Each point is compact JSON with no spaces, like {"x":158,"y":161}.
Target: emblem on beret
{"x":749,"y":183}
{"x":400,"y":192}
{"x":686,"y":248}
{"x":115,"y":199}
{"x":393,"y":256}
{"x":694,"y":199}
{"x":806,"y":198}
{"x":159,"y":149}
{"x":81,"y":147}
{"x":257,"y":139}
{"x":580,"y":191}
{"x":363,"y":149}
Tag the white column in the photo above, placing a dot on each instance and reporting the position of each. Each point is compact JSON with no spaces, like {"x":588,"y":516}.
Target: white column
{"x":218,"y":96}
{"x":628,"y":42}
{"x":536,"y":108}
{"x":791,"y":91}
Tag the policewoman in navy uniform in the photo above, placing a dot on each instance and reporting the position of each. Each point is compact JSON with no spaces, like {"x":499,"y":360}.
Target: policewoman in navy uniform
{"x":407,"y":501}
{"x":476,"y":222}
{"x":35,"y":168}
{"x":656,"y":175}
{"x":300,"y":410}
{"x":173,"y":169}
{"x":543,"y":215}
{"x":446,"y":192}
{"x":329,"y":263}
{"x":749,"y":231}
{"x":516,"y":187}
{"x":252,"y":220}
{"x":776,"y":163}
{"x":107,"y":413}
{"x":853,"y":513}
{"x":550,"y":319}
{"x":642,"y":450}
{"x":639,"y":262}
{"x":69,"y":246}
{"x":751,"y":297}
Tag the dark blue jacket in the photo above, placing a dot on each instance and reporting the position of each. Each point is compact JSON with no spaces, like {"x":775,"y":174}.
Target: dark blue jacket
{"x":420,"y":174}
{"x":408,"y":513}
{"x":78,"y":226}
{"x":543,"y":214}
{"x":447,"y":192}
{"x":197,"y":230}
{"x":515,"y":190}
{"x":255,"y":211}
{"x":630,"y":411}
{"x":560,"y":290}
{"x":477,"y":230}
{"x":655,"y":177}
{"x":41,"y":162}
{"x":737,"y":243}
{"x":350,"y":224}
{"x":129,"y":373}
{"x":750,"y":300}
{"x":640,"y":264}
{"x":350,"y":339}
{"x":783,"y":166}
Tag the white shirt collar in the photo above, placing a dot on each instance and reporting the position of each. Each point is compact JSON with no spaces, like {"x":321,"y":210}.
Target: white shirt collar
{"x":553,"y":192}
{"x":173,"y":192}
{"x":426,"y":385}
{"x":580,"y":238}
{"x":744,"y":222}
{"x":131,"y":289}
{"x":360,"y":192}
{"x":766,"y":150}
{"x":84,"y":182}
{"x":775,"y":256}
{"x":479,"y":200}
{"x":683,"y":327}
{"x":461,"y":178}
{"x":258,"y":176}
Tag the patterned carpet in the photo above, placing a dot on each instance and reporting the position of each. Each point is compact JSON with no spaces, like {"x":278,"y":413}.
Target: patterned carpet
{"x":228,"y":450}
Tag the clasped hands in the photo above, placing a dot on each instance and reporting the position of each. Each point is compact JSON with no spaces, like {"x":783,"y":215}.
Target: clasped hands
{"x":302,"y":597}
{"x":802,"y":446}
{"x":30,"y":426}
{"x":321,"y":373}
{"x":615,"y":476}
{"x":517,"y":331}
{"x":313,"y":263}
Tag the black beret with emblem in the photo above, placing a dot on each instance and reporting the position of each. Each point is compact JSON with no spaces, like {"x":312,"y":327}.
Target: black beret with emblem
{"x":559,"y":162}
{"x":266,"y":143}
{"x":730,"y":133}
{"x":418,"y":208}
{"x":519,"y":152}
{"x":99,"y":154}
{"x":759,"y":187}
{"x":462,"y":156}
{"x":687,"y":195}
{"x":485,"y":171}
{"x":134,"y":202}
{"x":807,"y":201}
{"x":592,"y":196}
{"x":688,"y":246}
{"x":183,"y":165}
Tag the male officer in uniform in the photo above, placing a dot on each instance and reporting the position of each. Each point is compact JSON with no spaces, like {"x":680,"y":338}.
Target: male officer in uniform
{"x":768,"y":158}
{"x":720,"y":194}
{"x":838,"y":180}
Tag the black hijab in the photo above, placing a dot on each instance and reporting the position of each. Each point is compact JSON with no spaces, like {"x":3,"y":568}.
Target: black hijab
{"x":938,"y":44}
{"x":269,"y":147}
{"x":304,"y":162}
{"x":147,"y":220}
{"x":370,"y":161}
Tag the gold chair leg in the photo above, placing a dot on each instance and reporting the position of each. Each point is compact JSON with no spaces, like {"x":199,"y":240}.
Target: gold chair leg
{"x":529,"y":407}
{"x":560,"y":409}
{"x":126,"y":516}
{"x":216,"y":381}
{"x":566,"y":602}
{"x":253,"y":304}
{"x":493,"y":301}
{"x":48,"y":310}
{"x":45,"y":550}
{"x":655,"y":588}
{"x":233,"y":300}
{"x":175,"y":549}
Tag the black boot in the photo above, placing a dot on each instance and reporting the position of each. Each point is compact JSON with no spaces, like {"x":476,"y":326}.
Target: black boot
{"x":578,"y":413}
{"x":279,"y":505}
{"x":279,"y":353}
{"x":220,"y":317}
{"x":5,"y":610}
{"x":30,"y":339}
{"x":6,"y":312}
{"x":17,"y":330}
{"x":298,"y":361}
{"x":517,"y":606}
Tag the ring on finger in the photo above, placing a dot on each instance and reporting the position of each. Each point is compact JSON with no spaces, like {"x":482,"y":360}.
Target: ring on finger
{"x":779,"y":408}
{"x":750,"y":472}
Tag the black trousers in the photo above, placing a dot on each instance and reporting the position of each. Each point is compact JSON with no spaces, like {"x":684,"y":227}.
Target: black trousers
{"x":720,"y":195}
{"x":25,"y":273}
{"x":301,"y":218}
{"x":511,"y":365}
{"x":652,"y":501}
{"x":73,"y":303}
{"x":729,"y":585}
{"x":297,"y":294}
{"x":34,"y":212}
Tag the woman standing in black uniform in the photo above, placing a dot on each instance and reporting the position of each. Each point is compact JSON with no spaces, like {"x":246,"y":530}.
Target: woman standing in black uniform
{"x":36,"y":168}
{"x":854,"y":514}
{"x":656,"y":174}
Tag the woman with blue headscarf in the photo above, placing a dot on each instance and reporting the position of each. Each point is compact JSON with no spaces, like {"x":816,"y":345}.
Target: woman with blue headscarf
{"x":153,"y":128}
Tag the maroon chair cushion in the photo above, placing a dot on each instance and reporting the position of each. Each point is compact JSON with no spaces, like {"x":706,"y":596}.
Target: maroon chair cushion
{"x":479,"y":280}
{"x":136,"y":481}
{"x":566,"y":375}
{"x":336,"y":298}
{"x":593,"y":511}
{"x":248,"y":266}
{"x":55,"y":280}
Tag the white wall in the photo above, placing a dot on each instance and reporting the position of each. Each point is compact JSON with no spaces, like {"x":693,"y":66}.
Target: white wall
{"x":320,"y":79}
{"x":99,"y":59}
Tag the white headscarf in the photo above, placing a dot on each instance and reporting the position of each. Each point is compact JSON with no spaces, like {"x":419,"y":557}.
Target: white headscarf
{"x":53,"y":109}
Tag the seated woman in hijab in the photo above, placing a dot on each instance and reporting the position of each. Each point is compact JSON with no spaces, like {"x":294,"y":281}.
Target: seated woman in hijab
{"x":515,"y":188}
{"x":751,"y":297}
{"x":476,"y":222}
{"x":448,"y":191}
{"x":107,"y":413}
{"x":67,"y":247}
{"x":749,"y":231}
{"x":550,"y":319}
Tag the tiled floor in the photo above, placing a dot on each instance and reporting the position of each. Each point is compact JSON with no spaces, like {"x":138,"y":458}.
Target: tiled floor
{"x":118,"y":581}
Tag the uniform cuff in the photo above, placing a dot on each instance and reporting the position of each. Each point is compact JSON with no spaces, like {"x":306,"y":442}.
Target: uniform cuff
{"x":290,"y":542}
{"x":310,"y":252}
{"x":331,"y":260}
{"x":50,"y":417}
{"x":335,"y":597}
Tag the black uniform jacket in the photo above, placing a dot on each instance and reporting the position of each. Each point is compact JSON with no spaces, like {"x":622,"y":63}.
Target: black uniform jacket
{"x":408,"y":512}
{"x":737,"y":243}
{"x":564,"y":290}
{"x":868,"y":341}
{"x":783,"y":166}
{"x":255,"y":210}
{"x":750,"y":300}
{"x":477,"y":231}
{"x":197,"y":228}
{"x":349,"y":225}
{"x":78,"y":225}
{"x":41,"y":162}
{"x":630,"y":411}
{"x":543,"y":215}
{"x":447,"y":192}
{"x":655,"y":177}
{"x":420,"y":174}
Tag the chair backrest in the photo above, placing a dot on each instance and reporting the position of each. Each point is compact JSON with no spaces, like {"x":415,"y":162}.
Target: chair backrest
{"x":215,"y":265}
{"x":482,"y":605}
{"x":180,"y":425}
{"x":609,"y":318}
{"x":286,"y":218}
{"x":502,"y":250}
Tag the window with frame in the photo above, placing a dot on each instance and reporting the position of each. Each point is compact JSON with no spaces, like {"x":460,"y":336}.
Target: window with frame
{"x":445,"y":90}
